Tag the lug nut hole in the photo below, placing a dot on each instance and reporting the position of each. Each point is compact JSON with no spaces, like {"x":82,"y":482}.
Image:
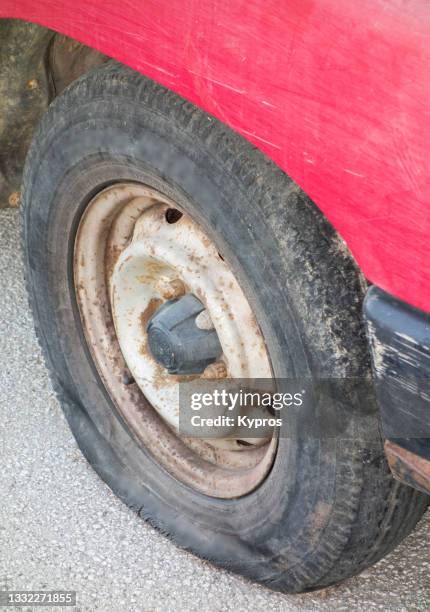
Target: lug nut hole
{"x":173,"y":215}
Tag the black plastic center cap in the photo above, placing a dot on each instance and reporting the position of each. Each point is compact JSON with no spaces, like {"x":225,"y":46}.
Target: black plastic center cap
{"x":177,"y":343}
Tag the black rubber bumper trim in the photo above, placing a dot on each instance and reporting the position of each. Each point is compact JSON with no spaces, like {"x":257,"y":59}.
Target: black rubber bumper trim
{"x":399,"y":338}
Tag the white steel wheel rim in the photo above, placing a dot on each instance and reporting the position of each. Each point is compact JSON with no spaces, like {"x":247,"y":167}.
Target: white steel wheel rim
{"x":124,"y":247}
{"x":160,"y":250}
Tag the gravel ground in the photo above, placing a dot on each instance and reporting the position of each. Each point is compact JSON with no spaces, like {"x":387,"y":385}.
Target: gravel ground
{"x":62,"y":528}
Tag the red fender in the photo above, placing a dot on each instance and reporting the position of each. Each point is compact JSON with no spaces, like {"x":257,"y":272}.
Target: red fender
{"x":336,"y":92}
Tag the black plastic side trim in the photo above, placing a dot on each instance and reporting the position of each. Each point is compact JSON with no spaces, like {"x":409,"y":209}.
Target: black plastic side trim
{"x":399,"y":338}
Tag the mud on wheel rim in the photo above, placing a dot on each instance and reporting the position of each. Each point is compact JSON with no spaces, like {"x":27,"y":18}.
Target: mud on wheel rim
{"x":134,"y":250}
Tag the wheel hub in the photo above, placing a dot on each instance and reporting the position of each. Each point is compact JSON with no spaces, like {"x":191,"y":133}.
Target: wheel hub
{"x":175,"y":340}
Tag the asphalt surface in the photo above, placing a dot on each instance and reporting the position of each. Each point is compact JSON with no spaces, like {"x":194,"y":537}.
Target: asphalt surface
{"x":62,"y":528}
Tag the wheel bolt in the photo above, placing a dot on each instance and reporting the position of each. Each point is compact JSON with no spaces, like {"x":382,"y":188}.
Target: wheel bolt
{"x":204,"y":321}
{"x":170,"y":289}
{"x":215,"y":370}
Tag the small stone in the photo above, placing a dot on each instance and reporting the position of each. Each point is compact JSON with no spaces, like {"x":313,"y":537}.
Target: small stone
{"x":32,"y":84}
{"x":14,"y":199}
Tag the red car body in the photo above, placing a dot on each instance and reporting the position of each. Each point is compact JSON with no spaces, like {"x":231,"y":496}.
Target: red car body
{"x":334,"y":91}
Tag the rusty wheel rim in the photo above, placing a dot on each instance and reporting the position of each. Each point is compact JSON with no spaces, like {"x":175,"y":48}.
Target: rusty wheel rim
{"x":127,"y":225}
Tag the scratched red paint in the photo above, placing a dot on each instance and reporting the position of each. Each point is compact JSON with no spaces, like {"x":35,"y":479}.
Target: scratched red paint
{"x":335,"y":91}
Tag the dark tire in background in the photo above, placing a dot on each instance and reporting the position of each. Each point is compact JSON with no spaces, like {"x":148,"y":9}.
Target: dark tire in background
{"x":328,"y":508}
